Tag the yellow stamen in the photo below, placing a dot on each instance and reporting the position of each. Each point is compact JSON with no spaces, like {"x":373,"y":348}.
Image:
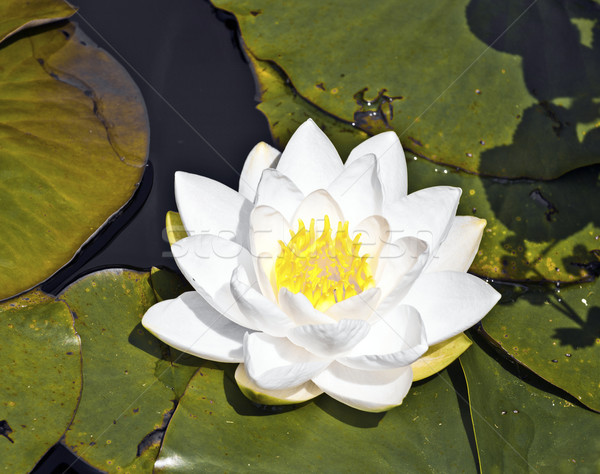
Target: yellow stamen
{"x":324,"y":269}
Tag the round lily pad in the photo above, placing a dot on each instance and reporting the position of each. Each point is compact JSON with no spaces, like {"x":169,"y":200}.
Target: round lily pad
{"x":216,"y":428}
{"x":74,"y":141}
{"x":132,"y":381}
{"x":520,"y":428}
{"x":555,"y":331}
{"x":40,"y":370}
{"x":506,"y":89}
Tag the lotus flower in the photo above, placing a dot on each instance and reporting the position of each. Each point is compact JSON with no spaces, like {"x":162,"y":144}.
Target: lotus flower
{"x":319,"y":276}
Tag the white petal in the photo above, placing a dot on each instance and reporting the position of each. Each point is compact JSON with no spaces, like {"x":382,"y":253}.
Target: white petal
{"x":263,"y":314}
{"x":310,"y":160}
{"x":274,"y":363}
{"x":450,"y":302}
{"x":278,"y":191}
{"x":267,"y":227}
{"x":330,"y":340}
{"x":359,"y":306}
{"x":400,"y":264}
{"x":207,"y":262}
{"x":190,"y":324}
{"x":427,"y":214}
{"x":300,"y":309}
{"x":395,"y":340}
{"x":264,"y":267}
{"x":459,"y":249}
{"x":299,"y":394}
{"x":391,"y":163}
{"x":262,"y":156}
{"x":367,"y":390}
{"x":374,"y":235}
{"x":316,"y":206}
{"x":358,"y":190}
{"x":209,"y":207}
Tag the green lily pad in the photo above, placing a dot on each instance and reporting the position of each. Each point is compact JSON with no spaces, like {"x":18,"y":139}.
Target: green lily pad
{"x":555,"y":332}
{"x":16,"y":15}
{"x":520,"y":428}
{"x":536,"y":230}
{"x":505,"y":89}
{"x":131,"y":380}
{"x":74,"y":140}
{"x":215,"y":428}
{"x":40,"y":370}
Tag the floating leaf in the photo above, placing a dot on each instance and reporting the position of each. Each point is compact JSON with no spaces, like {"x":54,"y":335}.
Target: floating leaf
{"x":40,"y":370}
{"x":555,"y":332}
{"x":74,"y":140}
{"x":131,"y":380}
{"x":215,"y":428}
{"x":520,"y":428}
{"x":535,"y":230}
{"x":16,"y":15}
{"x":506,"y":89}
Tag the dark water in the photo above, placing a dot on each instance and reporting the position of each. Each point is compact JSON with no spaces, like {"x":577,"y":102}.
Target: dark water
{"x":200,"y":96}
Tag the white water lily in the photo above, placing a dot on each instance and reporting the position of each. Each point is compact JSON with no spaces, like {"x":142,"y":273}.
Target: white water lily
{"x":319,"y":276}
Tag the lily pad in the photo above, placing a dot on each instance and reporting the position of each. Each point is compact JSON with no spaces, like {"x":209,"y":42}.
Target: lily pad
{"x":520,"y":428}
{"x":40,"y":370}
{"x":461,"y":83}
{"x":555,"y":332}
{"x":131,"y":380}
{"x":74,"y":141}
{"x":536,"y":230}
{"x":16,"y":15}
{"x":215,"y":428}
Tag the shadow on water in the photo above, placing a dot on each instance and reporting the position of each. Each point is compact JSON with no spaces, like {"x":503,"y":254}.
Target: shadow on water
{"x":559,"y":42}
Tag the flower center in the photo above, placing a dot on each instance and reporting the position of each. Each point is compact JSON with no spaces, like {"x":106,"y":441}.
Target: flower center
{"x":325,"y":269}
